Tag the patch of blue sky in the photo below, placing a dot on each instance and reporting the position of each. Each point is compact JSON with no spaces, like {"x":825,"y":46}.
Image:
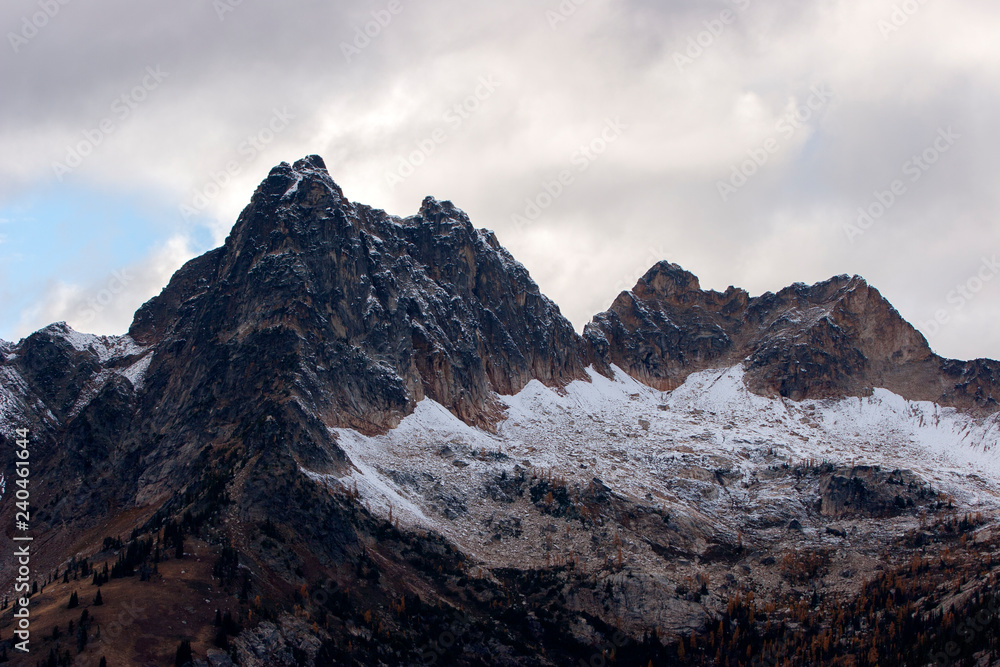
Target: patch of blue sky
{"x":78,"y":235}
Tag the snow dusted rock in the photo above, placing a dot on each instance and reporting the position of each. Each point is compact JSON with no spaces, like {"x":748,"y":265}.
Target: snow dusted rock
{"x":667,"y":327}
{"x":833,"y":339}
{"x":63,"y":370}
{"x":375,"y":311}
{"x":287,"y":643}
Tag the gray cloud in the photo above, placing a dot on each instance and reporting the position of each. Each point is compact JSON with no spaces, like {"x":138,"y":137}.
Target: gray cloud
{"x":654,"y":190}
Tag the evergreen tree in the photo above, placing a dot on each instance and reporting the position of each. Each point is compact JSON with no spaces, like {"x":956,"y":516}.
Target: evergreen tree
{"x":81,"y":637}
{"x":74,"y":601}
{"x":184,"y":657}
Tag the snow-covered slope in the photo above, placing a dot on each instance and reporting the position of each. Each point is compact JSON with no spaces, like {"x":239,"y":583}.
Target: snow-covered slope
{"x":709,"y":451}
{"x":105,"y":347}
{"x":97,"y":359}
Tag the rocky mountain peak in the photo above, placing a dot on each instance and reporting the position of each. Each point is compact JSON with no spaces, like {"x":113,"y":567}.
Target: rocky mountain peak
{"x":369,"y":313}
{"x":667,"y":281}
{"x":374,"y":311}
{"x":436,"y":211}
{"x":839,"y":337}
{"x":311,"y":173}
{"x":275,"y":220}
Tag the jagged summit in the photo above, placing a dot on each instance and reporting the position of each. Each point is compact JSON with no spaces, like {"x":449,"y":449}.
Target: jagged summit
{"x":839,"y":337}
{"x":374,"y":312}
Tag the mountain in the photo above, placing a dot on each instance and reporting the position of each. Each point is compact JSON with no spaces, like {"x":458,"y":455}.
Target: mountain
{"x":377,"y":311}
{"x":367,"y":439}
{"x":833,"y":339}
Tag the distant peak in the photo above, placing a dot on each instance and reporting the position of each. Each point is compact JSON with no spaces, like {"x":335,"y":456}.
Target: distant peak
{"x":311,"y":163}
{"x":431,"y":207}
{"x":307,"y":182}
{"x":308,"y":164}
{"x":440,"y":211}
{"x":60,"y":328}
{"x":846,"y":280}
{"x":835,"y":288}
{"x":666,"y":280}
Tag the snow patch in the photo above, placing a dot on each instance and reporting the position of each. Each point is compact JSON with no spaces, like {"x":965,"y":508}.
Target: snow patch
{"x":136,"y":373}
{"x":105,"y":347}
{"x":659,"y":449}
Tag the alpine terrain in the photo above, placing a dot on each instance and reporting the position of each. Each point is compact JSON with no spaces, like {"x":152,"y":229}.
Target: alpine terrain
{"x":348,"y":438}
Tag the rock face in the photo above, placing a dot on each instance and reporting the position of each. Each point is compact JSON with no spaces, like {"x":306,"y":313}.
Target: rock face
{"x":667,"y":327}
{"x":868,"y":491}
{"x":374,"y":312}
{"x":836,"y":338}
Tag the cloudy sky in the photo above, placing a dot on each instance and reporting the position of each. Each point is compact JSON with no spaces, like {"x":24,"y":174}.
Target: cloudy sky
{"x":756,"y":143}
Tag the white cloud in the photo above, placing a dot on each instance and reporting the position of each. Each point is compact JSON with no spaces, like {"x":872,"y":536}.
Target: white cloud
{"x":655,"y":188}
{"x":106,"y":306}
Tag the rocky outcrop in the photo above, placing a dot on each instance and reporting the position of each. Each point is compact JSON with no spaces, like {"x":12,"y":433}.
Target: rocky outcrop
{"x":667,"y":327}
{"x":286,"y":643}
{"x":372,"y":312}
{"x":865,"y":491}
{"x":832,"y":339}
